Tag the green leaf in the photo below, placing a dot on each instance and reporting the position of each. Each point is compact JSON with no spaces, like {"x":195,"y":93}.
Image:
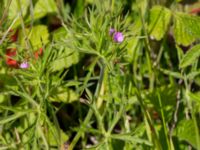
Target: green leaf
{"x":14,"y":10}
{"x":159,"y":22}
{"x":185,"y":131}
{"x":38,"y":36}
{"x":52,"y":136}
{"x":191,"y":55}
{"x":186,"y":28}
{"x":65,"y":56}
{"x":179,"y":53}
{"x":65,"y":95}
{"x":168,"y":99}
{"x":43,"y":7}
{"x":195,"y":97}
{"x":134,"y":44}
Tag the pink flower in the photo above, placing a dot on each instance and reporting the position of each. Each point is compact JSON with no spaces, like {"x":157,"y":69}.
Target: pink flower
{"x":24,"y":65}
{"x":111,"y":31}
{"x":118,"y":37}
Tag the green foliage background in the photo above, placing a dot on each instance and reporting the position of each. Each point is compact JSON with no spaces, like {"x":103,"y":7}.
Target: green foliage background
{"x":86,"y":91}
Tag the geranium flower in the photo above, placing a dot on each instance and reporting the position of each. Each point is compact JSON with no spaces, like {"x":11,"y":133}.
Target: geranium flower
{"x":9,"y":60}
{"x":24,"y":65}
{"x":118,"y":37}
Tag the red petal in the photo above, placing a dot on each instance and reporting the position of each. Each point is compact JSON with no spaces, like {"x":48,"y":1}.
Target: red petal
{"x":38,"y":53}
{"x":195,"y":11}
{"x":11,"y":52}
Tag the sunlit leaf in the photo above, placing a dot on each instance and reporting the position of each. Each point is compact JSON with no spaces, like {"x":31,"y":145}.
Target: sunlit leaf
{"x":159,"y":21}
{"x":63,"y":95}
{"x":185,"y":131}
{"x":38,"y":36}
{"x":191,"y":56}
{"x":14,"y":9}
{"x":186,"y":28}
{"x":43,"y":7}
{"x":65,"y":56}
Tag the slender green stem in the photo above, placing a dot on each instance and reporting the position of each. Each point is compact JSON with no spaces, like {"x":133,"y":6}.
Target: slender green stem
{"x":90,"y":112}
{"x":147,"y":115}
{"x":164,"y":122}
{"x":148,"y":53}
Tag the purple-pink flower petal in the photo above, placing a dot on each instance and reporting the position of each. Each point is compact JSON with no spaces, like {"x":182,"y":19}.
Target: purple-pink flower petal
{"x":111,"y":31}
{"x":24,"y":65}
{"x":118,"y":37}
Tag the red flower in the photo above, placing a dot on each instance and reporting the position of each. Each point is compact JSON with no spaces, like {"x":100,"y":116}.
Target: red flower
{"x":9,"y":60}
{"x":195,"y":11}
{"x":38,"y":53}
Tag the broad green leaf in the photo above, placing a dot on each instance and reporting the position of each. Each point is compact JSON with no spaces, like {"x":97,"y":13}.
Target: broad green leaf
{"x":195,"y":97}
{"x":159,"y":22}
{"x":63,"y":95}
{"x":43,"y":7}
{"x":14,"y":9}
{"x":52,"y":136}
{"x":186,"y":28}
{"x":65,"y":56}
{"x":185,"y":131}
{"x":59,"y":34}
{"x":191,"y":56}
{"x":38,"y":36}
{"x":168,"y":99}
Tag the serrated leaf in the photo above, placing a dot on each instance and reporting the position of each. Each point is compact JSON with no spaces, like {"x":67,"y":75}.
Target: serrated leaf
{"x":195,"y":97}
{"x":191,"y":55}
{"x":63,"y":95}
{"x":65,"y":60}
{"x":65,"y":56}
{"x":159,"y":22}
{"x":38,"y":36}
{"x":14,"y":9}
{"x":186,"y":28}
{"x":43,"y":7}
{"x":185,"y":131}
